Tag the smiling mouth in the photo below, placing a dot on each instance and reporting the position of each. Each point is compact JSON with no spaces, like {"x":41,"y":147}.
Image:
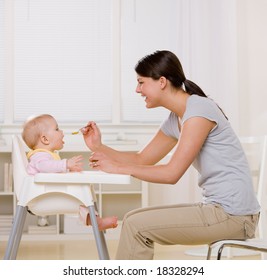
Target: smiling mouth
{"x":144,"y":97}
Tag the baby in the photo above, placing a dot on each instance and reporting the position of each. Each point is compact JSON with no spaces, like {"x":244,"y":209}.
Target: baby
{"x":43,"y":136}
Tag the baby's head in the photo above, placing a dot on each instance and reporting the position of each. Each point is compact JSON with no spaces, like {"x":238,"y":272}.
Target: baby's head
{"x":34,"y":128}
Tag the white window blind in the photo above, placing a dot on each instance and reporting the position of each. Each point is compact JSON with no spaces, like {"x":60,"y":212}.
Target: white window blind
{"x":2,"y":62}
{"x":63,"y":59}
{"x":147,"y":26}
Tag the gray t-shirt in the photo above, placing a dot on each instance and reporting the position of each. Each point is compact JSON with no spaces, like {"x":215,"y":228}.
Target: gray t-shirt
{"x":224,"y":173}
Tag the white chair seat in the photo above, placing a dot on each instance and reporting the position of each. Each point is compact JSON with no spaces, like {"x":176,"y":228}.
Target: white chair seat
{"x":255,"y":244}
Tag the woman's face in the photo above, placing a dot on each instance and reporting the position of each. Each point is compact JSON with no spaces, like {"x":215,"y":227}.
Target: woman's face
{"x":149,"y":90}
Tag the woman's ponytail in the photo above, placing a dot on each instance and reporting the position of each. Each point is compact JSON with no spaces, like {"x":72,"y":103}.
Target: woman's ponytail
{"x":192,"y":88}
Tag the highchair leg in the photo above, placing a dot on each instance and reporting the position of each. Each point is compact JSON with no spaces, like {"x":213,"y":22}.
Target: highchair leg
{"x":16,"y":233}
{"x":100,"y":240}
{"x":99,"y":235}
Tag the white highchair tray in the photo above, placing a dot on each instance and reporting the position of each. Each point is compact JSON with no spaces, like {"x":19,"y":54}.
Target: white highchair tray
{"x":89,"y":177}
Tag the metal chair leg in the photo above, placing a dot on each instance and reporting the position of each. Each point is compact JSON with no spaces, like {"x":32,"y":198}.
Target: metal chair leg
{"x":99,"y":236}
{"x":219,"y":254}
{"x":209,"y":253}
{"x":16,"y":233}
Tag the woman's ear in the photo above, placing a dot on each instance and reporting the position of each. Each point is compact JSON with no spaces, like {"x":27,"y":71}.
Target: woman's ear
{"x":44,"y":140}
{"x":163,"y":82}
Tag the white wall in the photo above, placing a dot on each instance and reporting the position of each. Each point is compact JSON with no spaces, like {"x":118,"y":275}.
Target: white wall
{"x":252,"y":61}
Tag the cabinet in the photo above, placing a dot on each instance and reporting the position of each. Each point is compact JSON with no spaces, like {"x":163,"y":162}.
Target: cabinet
{"x":112,"y":200}
{"x":6,"y":193}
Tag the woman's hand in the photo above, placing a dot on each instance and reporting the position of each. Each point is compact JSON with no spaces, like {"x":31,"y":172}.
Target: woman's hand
{"x":92,"y":136}
{"x":99,"y":161}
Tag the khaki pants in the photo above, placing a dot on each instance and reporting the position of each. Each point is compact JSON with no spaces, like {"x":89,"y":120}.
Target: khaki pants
{"x":184,"y":224}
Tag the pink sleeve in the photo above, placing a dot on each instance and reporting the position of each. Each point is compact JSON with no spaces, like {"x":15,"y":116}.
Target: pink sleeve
{"x":44,"y":163}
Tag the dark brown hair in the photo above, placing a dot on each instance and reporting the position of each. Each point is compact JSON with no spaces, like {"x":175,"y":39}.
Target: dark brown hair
{"x":165,"y":63}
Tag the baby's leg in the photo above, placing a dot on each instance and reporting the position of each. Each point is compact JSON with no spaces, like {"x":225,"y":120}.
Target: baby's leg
{"x":103,"y":223}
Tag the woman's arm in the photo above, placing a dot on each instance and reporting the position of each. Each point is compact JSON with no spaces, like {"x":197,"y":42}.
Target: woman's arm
{"x":154,"y":151}
{"x":193,"y":135}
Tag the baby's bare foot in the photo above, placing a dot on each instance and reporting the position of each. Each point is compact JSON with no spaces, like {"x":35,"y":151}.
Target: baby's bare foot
{"x":107,"y":222}
{"x":103,"y":223}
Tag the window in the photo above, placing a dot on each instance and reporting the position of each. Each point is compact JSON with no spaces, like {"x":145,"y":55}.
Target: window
{"x":63,"y":59}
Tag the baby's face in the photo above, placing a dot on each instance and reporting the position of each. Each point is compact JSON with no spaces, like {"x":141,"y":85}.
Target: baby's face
{"x":54,"y":135}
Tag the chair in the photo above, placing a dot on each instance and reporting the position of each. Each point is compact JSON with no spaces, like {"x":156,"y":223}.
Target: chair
{"x":259,"y":243}
{"x":54,"y":193}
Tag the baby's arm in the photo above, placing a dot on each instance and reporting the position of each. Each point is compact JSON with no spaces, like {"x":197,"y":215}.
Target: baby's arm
{"x":44,"y":163}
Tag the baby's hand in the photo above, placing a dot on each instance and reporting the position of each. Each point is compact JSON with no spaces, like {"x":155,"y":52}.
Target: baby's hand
{"x":75,"y":164}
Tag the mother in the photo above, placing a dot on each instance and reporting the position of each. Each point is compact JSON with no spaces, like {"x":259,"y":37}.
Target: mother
{"x":202,"y":136}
